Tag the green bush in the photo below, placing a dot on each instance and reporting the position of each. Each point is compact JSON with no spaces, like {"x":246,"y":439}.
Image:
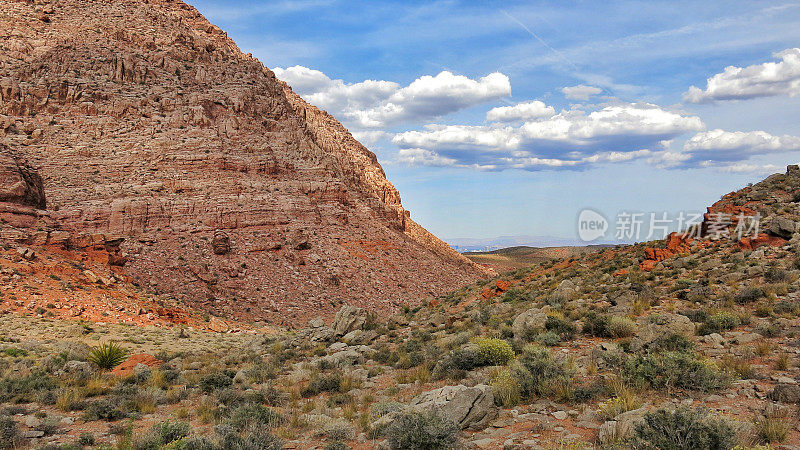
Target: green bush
{"x":683,"y":429}
{"x":255,"y":439}
{"x":674,"y":369}
{"x":563,"y":327}
{"x":620,"y":327}
{"x":161,"y":434}
{"x":549,"y":339}
{"x":26,"y":388}
{"x":9,"y":433}
{"x":103,"y":410}
{"x":506,"y":389}
{"x":718,"y":323}
{"x":422,"y":431}
{"x":749,"y":295}
{"x":774,"y":275}
{"x":595,"y":324}
{"x":213,"y":381}
{"x":108,"y":356}
{"x":253,"y":416}
{"x":322,"y":383}
{"x":494,"y":352}
{"x":537,"y":372}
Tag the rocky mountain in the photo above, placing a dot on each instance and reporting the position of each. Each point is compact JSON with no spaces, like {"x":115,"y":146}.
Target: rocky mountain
{"x":227,"y":191}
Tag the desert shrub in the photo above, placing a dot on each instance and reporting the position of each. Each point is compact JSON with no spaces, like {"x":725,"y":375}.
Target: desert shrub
{"x":749,"y":295}
{"x":494,"y":352}
{"x":506,"y":389}
{"x":86,"y":439}
{"x":108,"y":356}
{"x":561,"y":326}
{"x":774,"y":425}
{"x":253,"y":416}
{"x":595,"y":324}
{"x":774,"y":275}
{"x":769,"y":330}
{"x":9,"y":433}
{"x":683,"y":428}
{"x":194,"y":443}
{"x":719,"y":322}
{"x":674,"y":342}
{"x":422,"y":431}
{"x":619,"y":327}
{"x":255,"y":439}
{"x":670,"y":369}
{"x":549,"y":339}
{"x":322,"y":383}
{"x":103,"y":410}
{"x":25,"y":388}
{"x":161,"y":434}
{"x":339,"y":430}
{"x":785,"y":306}
{"x":214,"y":381}
{"x":467,"y":358}
{"x":537,"y":372}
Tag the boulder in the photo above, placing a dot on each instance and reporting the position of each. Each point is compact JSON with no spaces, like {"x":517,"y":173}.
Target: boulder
{"x":785,"y":393}
{"x":80,"y":369}
{"x":221,"y":243}
{"x":782,"y":227}
{"x":349,"y":318}
{"x":621,"y":426}
{"x":468,"y":407}
{"x":659,"y":327}
{"x":531,"y":319}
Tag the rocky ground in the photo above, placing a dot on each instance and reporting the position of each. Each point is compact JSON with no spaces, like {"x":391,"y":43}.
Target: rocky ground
{"x":633,"y":346}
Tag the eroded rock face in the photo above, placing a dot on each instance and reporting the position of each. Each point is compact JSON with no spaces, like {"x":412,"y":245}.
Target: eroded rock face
{"x":468,"y":407}
{"x":20,"y":184}
{"x":348,"y":319}
{"x":156,"y":127}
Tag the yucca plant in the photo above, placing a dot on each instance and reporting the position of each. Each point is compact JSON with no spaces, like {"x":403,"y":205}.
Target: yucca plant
{"x":108,"y":356}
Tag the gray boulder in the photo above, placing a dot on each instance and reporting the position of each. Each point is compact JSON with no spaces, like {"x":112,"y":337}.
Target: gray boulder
{"x":782,"y":227}
{"x":785,"y":393}
{"x":80,"y":369}
{"x":468,"y":407}
{"x":622,"y":425}
{"x":530,"y":320}
{"x":348,"y":319}
{"x":659,"y":327}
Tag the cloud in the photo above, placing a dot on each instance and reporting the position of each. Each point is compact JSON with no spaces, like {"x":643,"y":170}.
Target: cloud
{"x":570,"y":139}
{"x":375,"y":104}
{"x":719,"y":145}
{"x":760,"y":80}
{"x":422,"y":157}
{"x":580,"y":92}
{"x":520,"y":111}
{"x":748,"y":168}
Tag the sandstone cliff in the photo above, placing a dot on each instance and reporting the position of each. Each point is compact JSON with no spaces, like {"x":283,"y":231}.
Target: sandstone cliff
{"x":146,"y":121}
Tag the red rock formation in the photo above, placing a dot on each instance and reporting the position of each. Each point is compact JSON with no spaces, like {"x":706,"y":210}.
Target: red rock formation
{"x":675,"y":243}
{"x":147,"y":122}
{"x":126,"y":369}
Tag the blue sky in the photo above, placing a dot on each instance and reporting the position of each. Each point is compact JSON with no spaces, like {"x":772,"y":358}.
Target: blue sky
{"x":508,"y":118}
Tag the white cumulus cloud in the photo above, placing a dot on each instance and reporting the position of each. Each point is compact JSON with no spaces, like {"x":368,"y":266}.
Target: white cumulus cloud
{"x":720,"y":145}
{"x":520,"y":111}
{"x":759,"y":80}
{"x":580,"y":92}
{"x":570,"y":139}
{"x":374,"y":104}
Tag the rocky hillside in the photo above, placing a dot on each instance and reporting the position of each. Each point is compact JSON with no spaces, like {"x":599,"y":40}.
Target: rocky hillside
{"x":233,"y":195}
